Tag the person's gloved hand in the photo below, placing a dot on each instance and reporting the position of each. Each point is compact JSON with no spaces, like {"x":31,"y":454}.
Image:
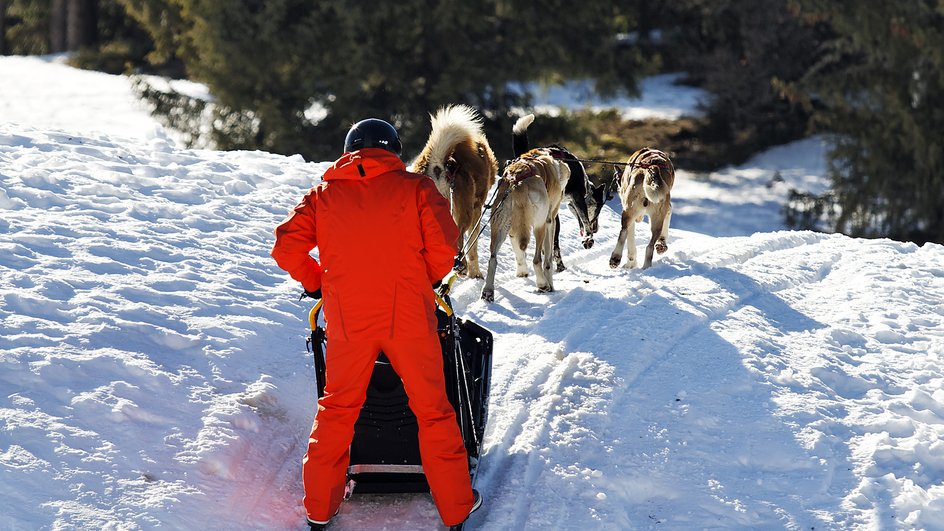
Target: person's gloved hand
{"x":311,"y":294}
{"x":459,"y":266}
{"x":437,"y":284}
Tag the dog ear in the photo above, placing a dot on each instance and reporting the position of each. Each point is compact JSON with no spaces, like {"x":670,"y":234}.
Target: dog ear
{"x":611,"y":184}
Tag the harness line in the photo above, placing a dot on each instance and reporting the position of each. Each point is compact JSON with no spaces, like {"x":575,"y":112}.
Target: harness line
{"x":478,"y":224}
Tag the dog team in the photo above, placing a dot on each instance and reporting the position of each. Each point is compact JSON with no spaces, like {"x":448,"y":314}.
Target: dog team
{"x":458,"y":158}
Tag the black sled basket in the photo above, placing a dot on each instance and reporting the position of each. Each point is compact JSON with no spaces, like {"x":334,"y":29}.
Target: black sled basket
{"x":385,"y":454}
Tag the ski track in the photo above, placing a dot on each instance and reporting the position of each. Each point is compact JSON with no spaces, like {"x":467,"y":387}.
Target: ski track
{"x":541,"y":411}
{"x":715,"y":264}
{"x":692,"y":332}
{"x":287,"y":460}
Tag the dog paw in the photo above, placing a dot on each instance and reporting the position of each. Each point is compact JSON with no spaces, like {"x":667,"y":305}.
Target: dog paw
{"x":488,"y":296}
{"x":545,"y":289}
{"x":587,"y":243}
{"x":661,"y":247}
{"x":614,"y":262}
{"x":522,"y":274}
{"x":560,"y":267}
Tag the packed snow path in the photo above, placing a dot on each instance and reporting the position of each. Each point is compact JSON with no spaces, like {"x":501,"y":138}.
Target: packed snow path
{"x":153,"y":371}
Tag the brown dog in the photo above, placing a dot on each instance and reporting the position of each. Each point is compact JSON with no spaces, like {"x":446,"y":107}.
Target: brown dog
{"x":645,"y":189}
{"x":529,"y":193}
{"x":459,"y":160}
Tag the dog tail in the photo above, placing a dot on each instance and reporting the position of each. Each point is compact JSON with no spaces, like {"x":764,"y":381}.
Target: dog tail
{"x":519,"y":135}
{"x":451,"y":125}
{"x":654,"y":189}
{"x":656,"y":183}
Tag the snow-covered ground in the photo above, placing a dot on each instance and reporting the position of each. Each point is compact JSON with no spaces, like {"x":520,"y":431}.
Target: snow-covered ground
{"x":661,"y":97}
{"x":153,"y":372}
{"x":44,"y":92}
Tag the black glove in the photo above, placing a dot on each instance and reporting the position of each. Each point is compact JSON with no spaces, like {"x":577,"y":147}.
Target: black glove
{"x":311,"y":294}
{"x":437,"y":284}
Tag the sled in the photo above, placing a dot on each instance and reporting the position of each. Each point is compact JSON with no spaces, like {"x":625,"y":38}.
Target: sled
{"x":385,"y":455}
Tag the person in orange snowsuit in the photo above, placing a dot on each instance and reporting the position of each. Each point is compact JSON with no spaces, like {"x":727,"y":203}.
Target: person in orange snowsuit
{"x":384,"y":237}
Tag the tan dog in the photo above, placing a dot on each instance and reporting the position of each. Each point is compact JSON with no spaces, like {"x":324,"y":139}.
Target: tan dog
{"x":458,"y":159}
{"x":529,"y":195}
{"x":645,"y":189}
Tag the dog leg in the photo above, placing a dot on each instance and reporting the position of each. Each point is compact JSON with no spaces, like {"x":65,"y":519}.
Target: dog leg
{"x":617,"y":255}
{"x":519,"y":243}
{"x":547,"y":264}
{"x":500,"y":224}
{"x":649,"y":249}
{"x":630,"y":245}
{"x":579,"y":207}
{"x":463,"y":267}
{"x":660,"y":229}
{"x":656,"y":226}
{"x":558,"y":261}
{"x":488,"y":290}
{"x":540,"y":277}
{"x":472,"y":259}
{"x":542,"y":257}
{"x":662,"y":245}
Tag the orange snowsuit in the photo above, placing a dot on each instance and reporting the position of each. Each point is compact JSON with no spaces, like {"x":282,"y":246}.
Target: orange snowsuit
{"x":384,"y":235}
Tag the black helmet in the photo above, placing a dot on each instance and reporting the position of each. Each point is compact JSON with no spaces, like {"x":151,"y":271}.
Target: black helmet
{"x":373,"y":133}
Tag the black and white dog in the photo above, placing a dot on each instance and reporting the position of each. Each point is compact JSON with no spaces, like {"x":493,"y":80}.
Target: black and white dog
{"x":583,"y":199}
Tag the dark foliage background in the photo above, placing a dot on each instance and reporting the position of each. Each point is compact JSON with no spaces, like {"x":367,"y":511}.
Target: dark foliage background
{"x":290,"y":76}
{"x":266,"y":63}
{"x":879,"y":86}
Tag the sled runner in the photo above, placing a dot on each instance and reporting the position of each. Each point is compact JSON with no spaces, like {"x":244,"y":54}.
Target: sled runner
{"x":385,"y":456}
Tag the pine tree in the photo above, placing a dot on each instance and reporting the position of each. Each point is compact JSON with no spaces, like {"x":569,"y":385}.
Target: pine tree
{"x":743,"y":52}
{"x":58,"y":26}
{"x":269,"y":64}
{"x":27,"y":30}
{"x":81,"y":24}
{"x":881,"y":81}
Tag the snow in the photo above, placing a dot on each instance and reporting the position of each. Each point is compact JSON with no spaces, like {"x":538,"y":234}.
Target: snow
{"x":661,"y":97}
{"x":153,"y":370}
{"x":44,"y":92}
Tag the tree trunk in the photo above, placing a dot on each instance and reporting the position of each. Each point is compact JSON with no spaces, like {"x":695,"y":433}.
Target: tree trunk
{"x":82,"y":25}
{"x":57,"y":26}
{"x":3,"y":27}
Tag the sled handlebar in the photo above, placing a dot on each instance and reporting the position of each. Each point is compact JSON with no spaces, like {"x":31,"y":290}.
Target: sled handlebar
{"x":443,"y":291}
{"x":313,"y":314}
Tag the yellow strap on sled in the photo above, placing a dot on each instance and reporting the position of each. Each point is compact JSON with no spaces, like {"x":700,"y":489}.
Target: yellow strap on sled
{"x":313,"y":314}
{"x":446,"y":287}
{"x":442,"y":304}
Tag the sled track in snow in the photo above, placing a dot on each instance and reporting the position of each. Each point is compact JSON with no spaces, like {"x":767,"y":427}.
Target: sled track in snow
{"x":284,"y":474}
{"x":744,"y":298}
{"x":540,"y":381}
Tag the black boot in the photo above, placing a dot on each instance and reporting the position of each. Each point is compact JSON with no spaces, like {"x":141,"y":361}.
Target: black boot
{"x":314,"y":525}
{"x":476,"y":503}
